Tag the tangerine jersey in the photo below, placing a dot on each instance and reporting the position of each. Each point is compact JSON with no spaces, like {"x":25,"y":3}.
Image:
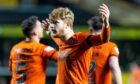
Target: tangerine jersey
{"x":100,"y":72}
{"x":74,"y":70}
{"x":28,"y":61}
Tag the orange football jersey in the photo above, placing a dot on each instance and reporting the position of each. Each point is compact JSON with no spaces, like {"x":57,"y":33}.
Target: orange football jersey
{"x":74,"y":70}
{"x":136,"y":76}
{"x":100,"y":72}
{"x":28,"y":61}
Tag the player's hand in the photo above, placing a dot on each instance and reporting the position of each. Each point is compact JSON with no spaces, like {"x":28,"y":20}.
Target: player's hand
{"x":45,"y":24}
{"x":50,"y":30}
{"x":63,"y":55}
{"x":104,"y":10}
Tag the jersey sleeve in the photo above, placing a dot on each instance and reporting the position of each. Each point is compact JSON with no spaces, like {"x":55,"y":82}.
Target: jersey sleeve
{"x":94,"y":40}
{"x":105,"y":34}
{"x":10,"y":62}
{"x":114,"y":50}
{"x":12,"y":52}
{"x":82,"y":37}
{"x":81,"y":45}
{"x":50,"y":53}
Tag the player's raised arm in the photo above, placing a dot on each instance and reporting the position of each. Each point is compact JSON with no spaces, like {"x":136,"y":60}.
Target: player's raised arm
{"x":105,"y":13}
{"x":45,"y":24}
{"x":104,"y":36}
{"x":50,"y":53}
{"x":63,"y":55}
{"x":114,"y":65}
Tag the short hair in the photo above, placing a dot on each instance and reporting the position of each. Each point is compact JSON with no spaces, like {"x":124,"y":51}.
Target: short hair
{"x":62,"y":13}
{"x":96,"y":23}
{"x":28,"y":25}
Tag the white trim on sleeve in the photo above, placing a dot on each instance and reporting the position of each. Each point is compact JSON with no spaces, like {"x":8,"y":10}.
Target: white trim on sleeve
{"x":49,"y":48}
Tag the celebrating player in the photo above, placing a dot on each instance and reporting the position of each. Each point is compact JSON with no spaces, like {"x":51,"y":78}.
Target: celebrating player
{"x":28,"y":58}
{"x":73,"y":68}
{"x":104,"y":59}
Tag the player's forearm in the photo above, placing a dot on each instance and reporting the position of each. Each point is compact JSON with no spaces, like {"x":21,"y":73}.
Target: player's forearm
{"x":104,"y":10}
{"x":117,"y":76}
{"x":105,"y":34}
{"x":61,"y":58}
{"x":106,"y":23}
{"x":54,"y":57}
{"x":114,"y":65}
{"x":63,"y":55}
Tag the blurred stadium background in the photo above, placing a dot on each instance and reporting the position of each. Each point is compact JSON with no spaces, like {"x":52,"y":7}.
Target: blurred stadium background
{"x":124,"y":19}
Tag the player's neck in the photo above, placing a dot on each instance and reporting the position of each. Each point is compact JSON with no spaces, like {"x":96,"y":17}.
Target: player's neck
{"x":67,"y":34}
{"x":33,"y":38}
{"x":96,"y":32}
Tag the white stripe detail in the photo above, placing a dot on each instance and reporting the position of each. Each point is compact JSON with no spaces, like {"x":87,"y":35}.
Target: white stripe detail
{"x":49,"y":48}
{"x":117,"y":50}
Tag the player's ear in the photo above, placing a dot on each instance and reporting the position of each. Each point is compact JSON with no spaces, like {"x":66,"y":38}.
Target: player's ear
{"x":33,"y":33}
{"x":91,"y":30}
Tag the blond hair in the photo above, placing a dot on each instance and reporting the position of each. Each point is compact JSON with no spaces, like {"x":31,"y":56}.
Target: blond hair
{"x":62,"y":13}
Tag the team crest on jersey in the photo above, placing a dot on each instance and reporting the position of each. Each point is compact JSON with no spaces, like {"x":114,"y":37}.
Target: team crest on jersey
{"x":72,"y":41}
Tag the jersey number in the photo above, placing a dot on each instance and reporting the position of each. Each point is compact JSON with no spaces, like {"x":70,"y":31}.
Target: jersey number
{"x":21,"y":72}
{"x":92,"y":67}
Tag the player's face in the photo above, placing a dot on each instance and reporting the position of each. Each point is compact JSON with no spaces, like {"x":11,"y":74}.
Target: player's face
{"x":59,"y":28}
{"x":39,"y":29}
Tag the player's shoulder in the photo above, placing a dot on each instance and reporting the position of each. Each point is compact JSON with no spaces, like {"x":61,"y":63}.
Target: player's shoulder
{"x":31,"y":45}
{"x":81,"y":35}
{"x":16,"y":45}
{"x":109,"y":45}
{"x":78,"y":33}
{"x":112,"y":43}
{"x":45,"y":47}
{"x":39,"y":44}
{"x":114,"y":46}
